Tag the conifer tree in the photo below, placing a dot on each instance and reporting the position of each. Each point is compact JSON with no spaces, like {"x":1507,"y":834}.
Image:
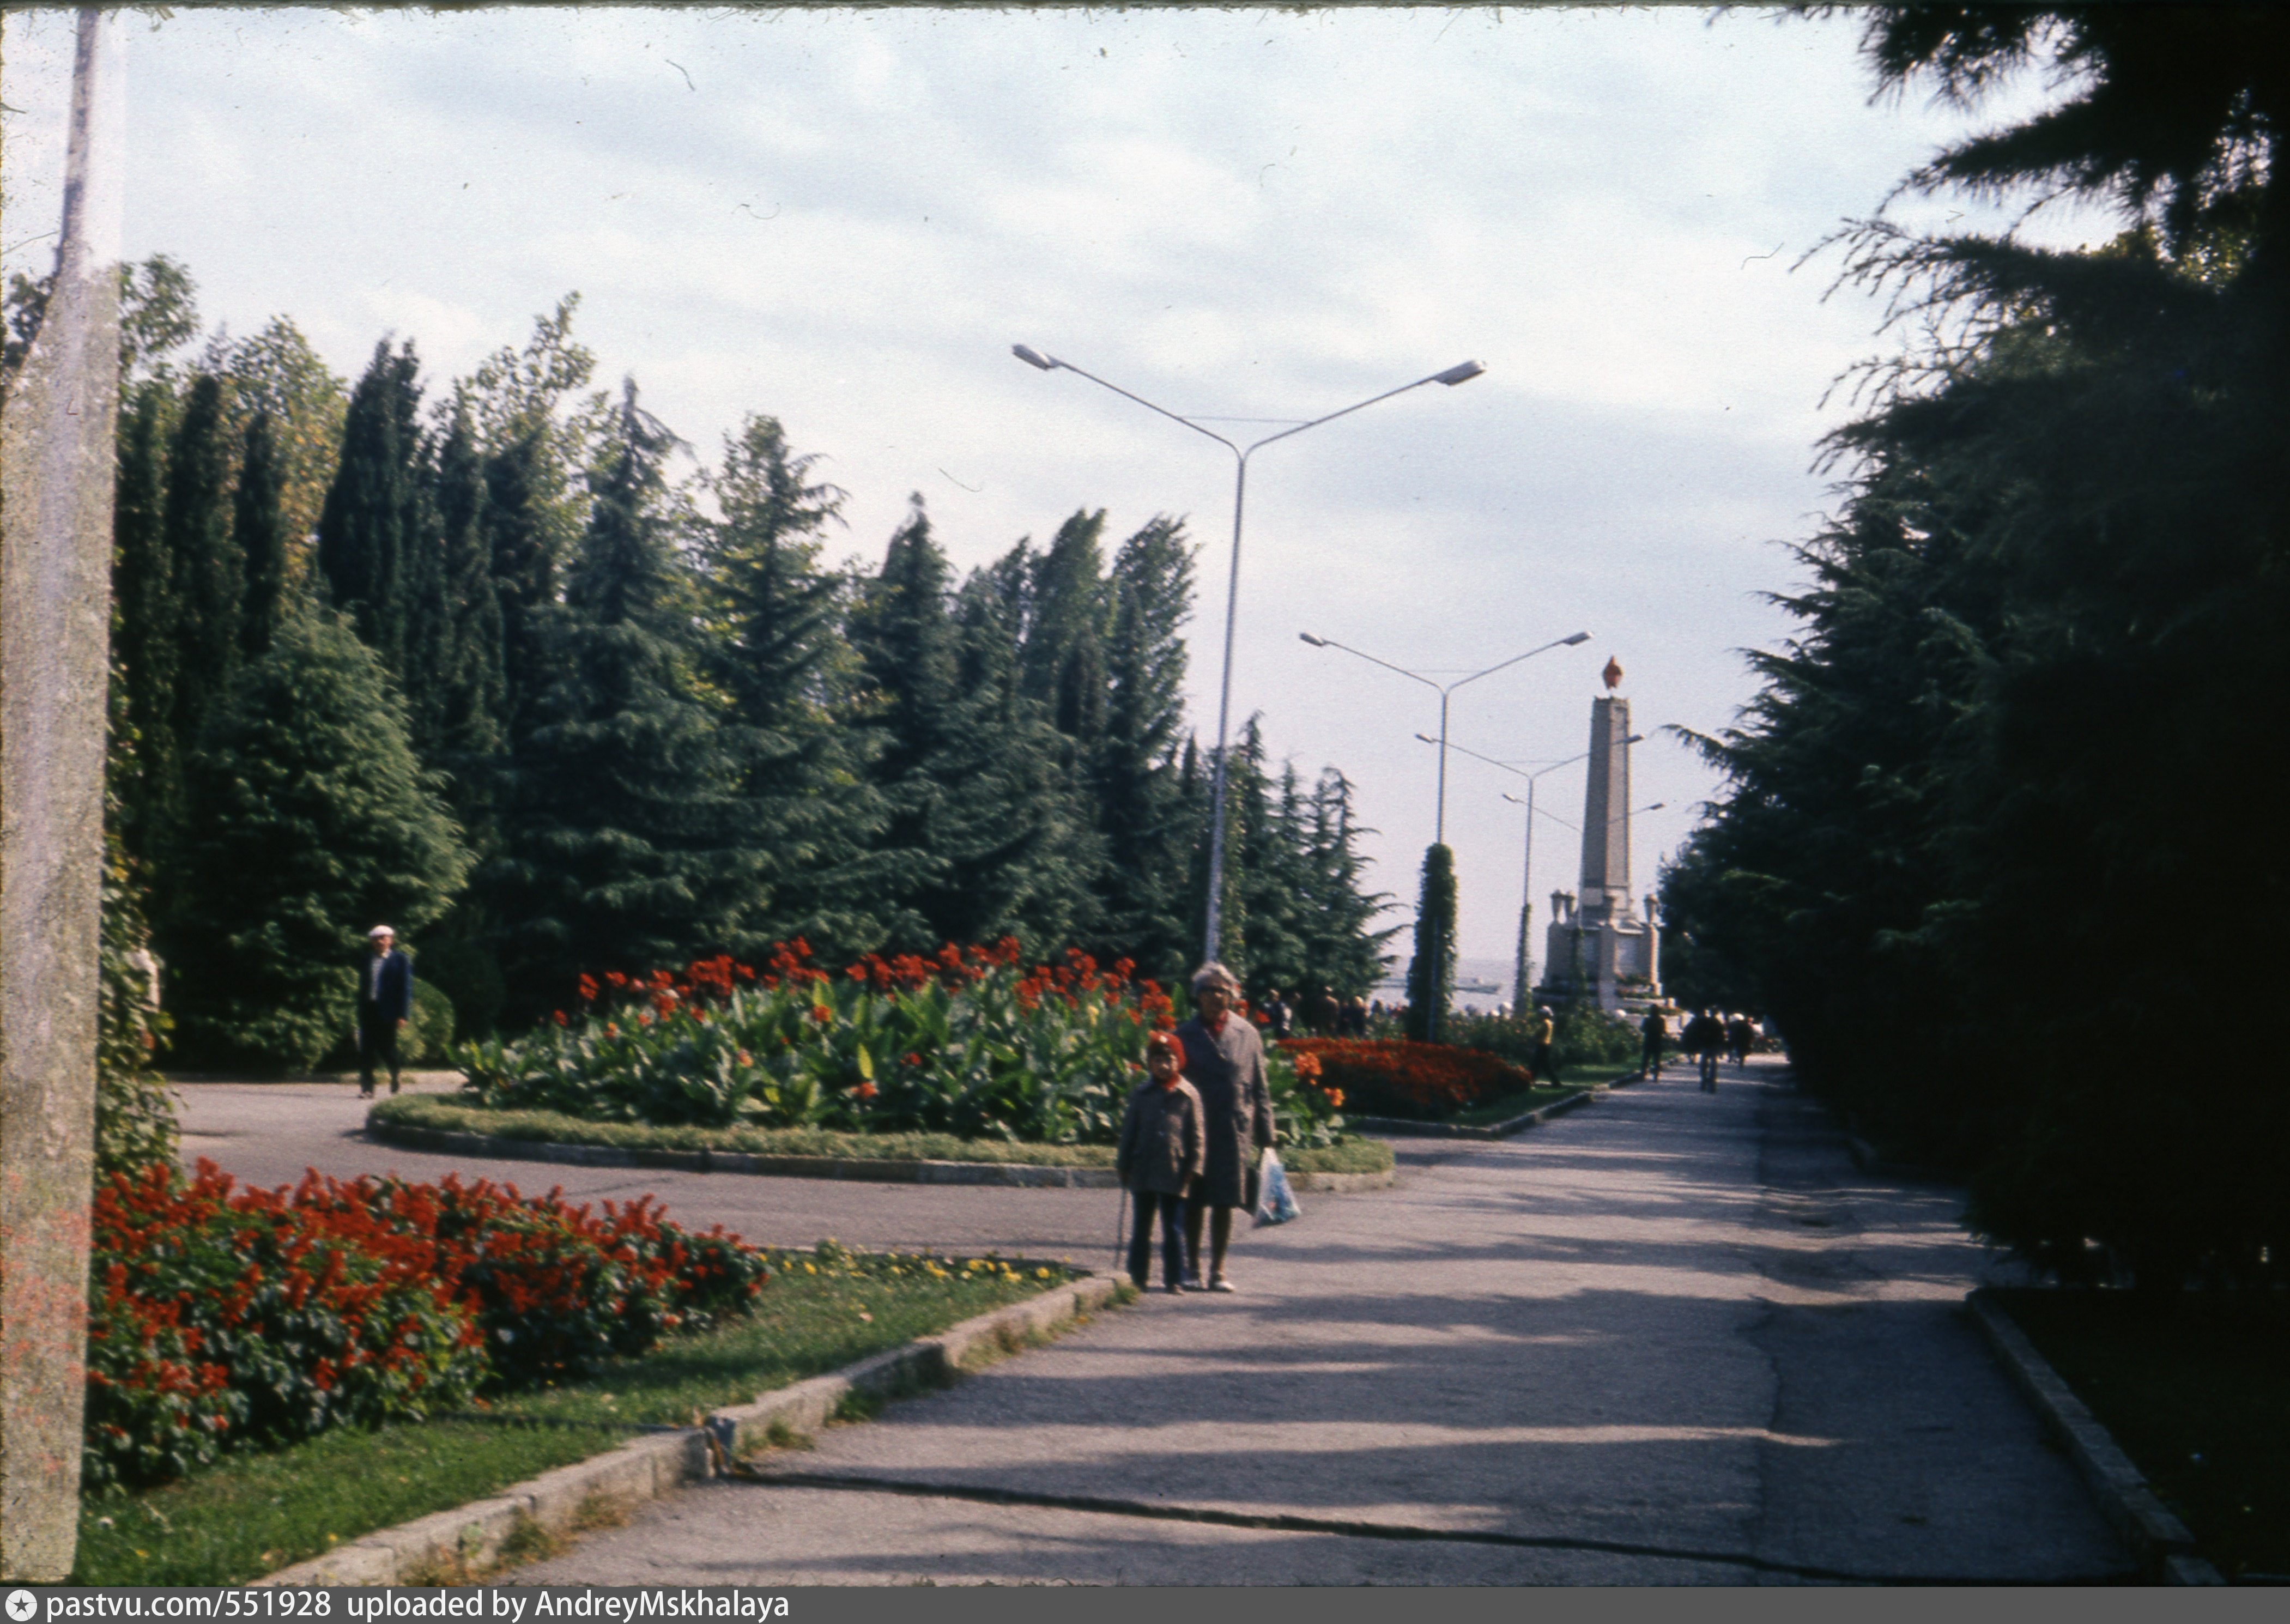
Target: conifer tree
{"x":1142,"y":812}
{"x":1431,"y":972}
{"x":207,"y":573}
{"x":259,"y":534}
{"x":622,"y":834}
{"x":146,"y":614}
{"x":470,"y":683}
{"x":370,"y":527}
{"x":778,"y":652}
{"x":309,"y":821}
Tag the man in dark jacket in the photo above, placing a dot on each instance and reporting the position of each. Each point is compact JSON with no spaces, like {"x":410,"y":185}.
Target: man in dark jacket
{"x":1705,"y":1041}
{"x":385,"y":999}
{"x":1224,"y":1061}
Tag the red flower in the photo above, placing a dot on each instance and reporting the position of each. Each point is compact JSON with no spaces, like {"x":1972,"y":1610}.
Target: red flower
{"x":587,"y":989}
{"x":865,"y":1091}
{"x":558,"y":1016}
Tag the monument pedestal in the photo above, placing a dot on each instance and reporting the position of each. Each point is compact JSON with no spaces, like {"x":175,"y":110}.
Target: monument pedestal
{"x":1597,"y":948}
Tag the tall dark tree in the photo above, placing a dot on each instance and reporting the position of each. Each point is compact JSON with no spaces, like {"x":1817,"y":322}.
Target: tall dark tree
{"x":371,"y":527}
{"x":779,"y":653}
{"x":259,"y":534}
{"x":470,"y":683}
{"x":148,"y":619}
{"x":621,"y":834}
{"x":1432,"y":972}
{"x":1148,"y":824}
{"x":208,"y":574}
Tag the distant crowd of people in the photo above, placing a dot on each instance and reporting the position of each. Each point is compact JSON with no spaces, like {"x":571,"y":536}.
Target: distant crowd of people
{"x":1710,"y":1037}
{"x":1321,"y":1013}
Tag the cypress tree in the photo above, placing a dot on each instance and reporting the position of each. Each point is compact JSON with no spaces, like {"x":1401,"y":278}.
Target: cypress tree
{"x":208,"y":573}
{"x":526,"y":575}
{"x":147,"y":655}
{"x":1431,"y":972}
{"x":309,"y":821}
{"x":259,"y":533}
{"x":370,"y":527}
{"x":470,"y":682}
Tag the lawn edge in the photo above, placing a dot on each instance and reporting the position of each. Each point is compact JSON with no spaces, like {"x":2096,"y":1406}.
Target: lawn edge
{"x":556,"y":1505}
{"x":2163,"y":1542}
{"x":1027,"y":1175}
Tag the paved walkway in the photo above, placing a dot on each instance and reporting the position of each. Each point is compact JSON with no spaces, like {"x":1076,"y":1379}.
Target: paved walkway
{"x":1671,"y":1339}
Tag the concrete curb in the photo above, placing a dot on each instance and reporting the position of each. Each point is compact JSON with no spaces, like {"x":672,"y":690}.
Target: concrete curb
{"x":2143,"y":1522}
{"x":1024,"y":1175}
{"x":559,"y":1502}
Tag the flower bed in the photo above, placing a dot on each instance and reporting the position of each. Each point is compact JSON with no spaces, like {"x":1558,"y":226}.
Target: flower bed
{"x":1395,"y":1077}
{"x":969,"y":1043}
{"x":223,"y":1317}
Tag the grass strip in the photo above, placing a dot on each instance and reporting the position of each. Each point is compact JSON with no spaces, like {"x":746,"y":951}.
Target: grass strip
{"x":2194,"y":1389}
{"x":454,"y":1115}
{"x":253,"y":1514}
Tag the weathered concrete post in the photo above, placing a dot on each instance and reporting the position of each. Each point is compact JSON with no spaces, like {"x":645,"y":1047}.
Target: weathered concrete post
{"x":56,"y":472}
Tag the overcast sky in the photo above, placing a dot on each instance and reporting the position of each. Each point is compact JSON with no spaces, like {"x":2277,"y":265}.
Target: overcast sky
{"x":844,"y":219}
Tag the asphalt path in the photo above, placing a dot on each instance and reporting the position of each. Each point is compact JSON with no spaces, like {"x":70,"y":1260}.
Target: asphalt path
{"x":1672,"y":1338}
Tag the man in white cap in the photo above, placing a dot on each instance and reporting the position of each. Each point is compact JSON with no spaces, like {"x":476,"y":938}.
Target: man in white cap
{"x":385,"y":999}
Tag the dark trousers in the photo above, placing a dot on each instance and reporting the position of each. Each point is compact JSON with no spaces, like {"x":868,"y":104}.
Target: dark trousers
{"x":1709,"y":1059}
{"x":1143,"y":1205}
{"x":1544,"y":1066}
{"x":1650,"y":1057}
{"x":377,"y":1040}
{"x":1217,"y":1221}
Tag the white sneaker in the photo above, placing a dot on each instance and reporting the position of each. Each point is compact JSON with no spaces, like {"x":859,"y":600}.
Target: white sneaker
{"x":1223,"y":1284}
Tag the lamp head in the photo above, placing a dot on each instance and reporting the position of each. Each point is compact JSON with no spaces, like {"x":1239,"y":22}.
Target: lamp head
{"x":1635,"y":739}
{"x":1032,"y":357}
{"x":1426,"y":738}
{"x":1317,"y":643}
{"x":1513,"y":799}
{"x":1454,"y":375}
{"x":1569,"y":643}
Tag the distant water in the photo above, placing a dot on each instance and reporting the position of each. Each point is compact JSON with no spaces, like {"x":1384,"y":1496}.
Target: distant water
{"x":1480,"y":983}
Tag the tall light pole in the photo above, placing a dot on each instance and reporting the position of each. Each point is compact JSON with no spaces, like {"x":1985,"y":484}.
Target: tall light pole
{"x":1439,"y":823}
{"x":1462,"y":372}
{"x":1526,"y":884}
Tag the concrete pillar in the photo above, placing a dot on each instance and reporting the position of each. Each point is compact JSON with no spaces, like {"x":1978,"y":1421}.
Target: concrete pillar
{"x":56,"y":472}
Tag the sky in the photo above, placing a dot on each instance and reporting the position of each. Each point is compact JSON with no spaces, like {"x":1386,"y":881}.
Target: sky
{"x":844,"y":219}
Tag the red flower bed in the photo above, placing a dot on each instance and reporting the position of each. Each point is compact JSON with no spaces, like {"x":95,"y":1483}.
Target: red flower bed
{"x":223,"y":1317}
{"x":1391,"y":1076}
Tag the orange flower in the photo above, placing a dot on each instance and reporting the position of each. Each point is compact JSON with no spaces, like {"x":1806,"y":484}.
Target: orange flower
{"x":822,"y":1014}
{"x":745,"y":1058}
{"x":1336,"y":1098}
{"x":865,"y":1091}
{"x":558,"y":1016}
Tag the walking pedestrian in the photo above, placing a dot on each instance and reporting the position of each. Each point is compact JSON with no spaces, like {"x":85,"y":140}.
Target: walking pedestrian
{"x":1705,"y":1040}
{"x":1162,"y":1149}
{"x":1353,"y":1022}
{"x":1224,"y":1061}
{"x":385,"y":1000}
{"x":1542,"y":1065}
{"x":1325,"y":1013}
{"x":1653,"y":1035}
{"x":1737,"y":1040}
{"x":1279,"y":1014}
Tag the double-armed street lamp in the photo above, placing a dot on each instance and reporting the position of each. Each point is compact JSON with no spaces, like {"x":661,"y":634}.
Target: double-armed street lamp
{"x":1439,"y":822}
{"x":1462,"y":372}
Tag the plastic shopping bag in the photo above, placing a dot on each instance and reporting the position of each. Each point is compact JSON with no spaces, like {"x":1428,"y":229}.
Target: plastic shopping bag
{"x":1276,"y":1203}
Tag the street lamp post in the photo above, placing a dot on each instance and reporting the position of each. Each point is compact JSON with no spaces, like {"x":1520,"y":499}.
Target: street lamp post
{"x":1462,"y":372}
{"x":1439,"y":823}
{"x":1527,"y":887}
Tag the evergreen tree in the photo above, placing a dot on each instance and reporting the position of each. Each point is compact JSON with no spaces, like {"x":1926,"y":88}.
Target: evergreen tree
{"x":1341,"y":949}
{"x":622,"y":836}
{"x":1064,"y":633}
{"x":1147,"y":824}
{"x":275,"y":373}
{"x":527,"y":576}
{"x":1431,"y":972}
{"x":370,"y":528}
{"x":309,"y":821}
{"x":147,"y":620}
{"x":206,"y":571}
{"x":779,"y":653}
{"x":470,"y":684}
{"x":258,"y":537}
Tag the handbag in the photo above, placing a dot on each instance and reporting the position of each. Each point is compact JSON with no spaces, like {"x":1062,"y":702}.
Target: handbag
{"x":1276,"y":1202}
